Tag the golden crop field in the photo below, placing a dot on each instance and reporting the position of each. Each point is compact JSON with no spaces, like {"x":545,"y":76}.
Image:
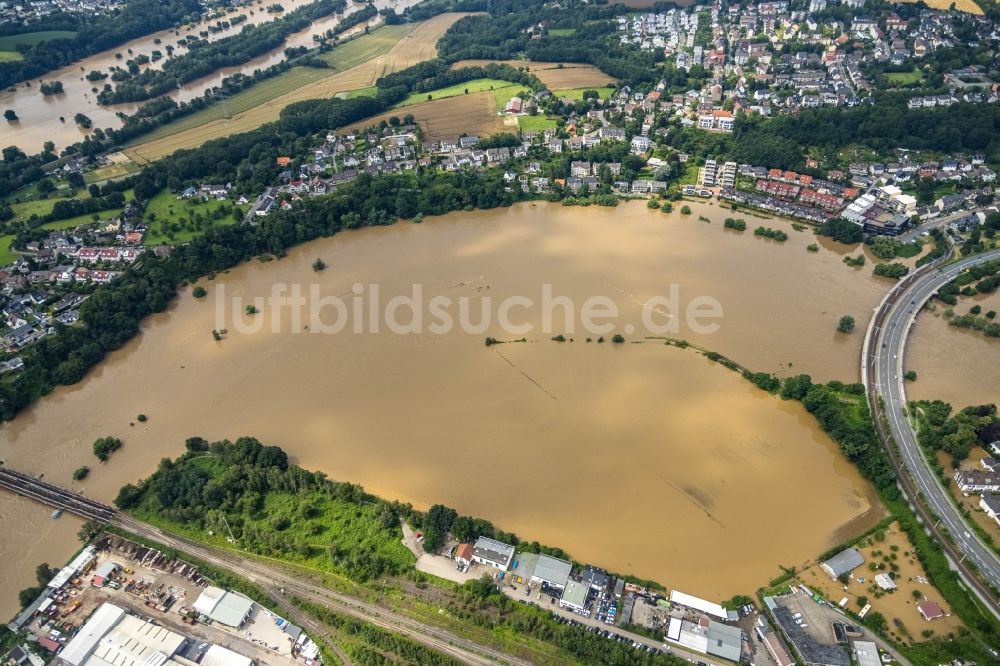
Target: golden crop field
{"x":385,"y":50}
{"x":570,"y":75}
{"x":967,"y":6}
{"x":475,"y":113}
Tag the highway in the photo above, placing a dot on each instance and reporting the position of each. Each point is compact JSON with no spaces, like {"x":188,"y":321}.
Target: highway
{"x":883,"y":359}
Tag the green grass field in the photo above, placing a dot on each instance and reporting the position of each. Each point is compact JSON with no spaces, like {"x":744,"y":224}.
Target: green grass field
{"x":905,"y":78}
{"x":353,"y":53}
{"x":577,"y":93}
{"x":242,"y":101}
{"x":504,"y":95}
{"x":171,"y":220}
{"x":72,"y":222}
{"x":562,"y":32}
{"x":7,"y":255}
{"x":41,"y":207}
{"x":360,"y":92}
{"x":473,"y":86}
{"x":10,"y":42}
{"x":362,"y":49}
{"x":9,"y":56}
{"x":535,"y":123}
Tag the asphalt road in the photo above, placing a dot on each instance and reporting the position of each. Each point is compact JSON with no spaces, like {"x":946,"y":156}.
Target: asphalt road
{"x":280,"y":583}
{"x":882,"y":357}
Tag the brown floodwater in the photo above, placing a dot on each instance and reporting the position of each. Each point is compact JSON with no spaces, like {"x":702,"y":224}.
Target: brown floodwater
{"x":957,"y":365}
{"x":39,"y":115}
{"x":638,"y":457}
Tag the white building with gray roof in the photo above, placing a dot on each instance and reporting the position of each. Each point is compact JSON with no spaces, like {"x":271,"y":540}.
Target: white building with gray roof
{"x":493,"y":553}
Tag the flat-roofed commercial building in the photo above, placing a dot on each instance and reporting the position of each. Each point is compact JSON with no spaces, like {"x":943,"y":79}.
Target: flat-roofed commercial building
{"x":493,"y":553}
{"x":551,"y":571}
{"x":574,"y":596}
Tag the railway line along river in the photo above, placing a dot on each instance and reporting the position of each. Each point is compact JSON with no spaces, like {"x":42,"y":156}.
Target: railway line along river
{"x":638,"y":457}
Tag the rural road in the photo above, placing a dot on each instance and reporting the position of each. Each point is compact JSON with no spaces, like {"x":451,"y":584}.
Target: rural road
{"x":882,"y":370}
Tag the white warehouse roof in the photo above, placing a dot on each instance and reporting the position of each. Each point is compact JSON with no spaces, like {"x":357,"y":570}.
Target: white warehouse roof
{"x":552,"y":570}
{"x":707,"y":607}
{"x":220,"y":656}
{"x":227,"y":608}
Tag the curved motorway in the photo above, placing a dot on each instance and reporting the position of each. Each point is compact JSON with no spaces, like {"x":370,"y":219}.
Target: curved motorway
{"x":882,"y":371}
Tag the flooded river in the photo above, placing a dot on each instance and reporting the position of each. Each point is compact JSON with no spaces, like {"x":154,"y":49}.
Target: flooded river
{"x":953,"y":364}
{"x":39,"y":115}
{"x":638,"y":457}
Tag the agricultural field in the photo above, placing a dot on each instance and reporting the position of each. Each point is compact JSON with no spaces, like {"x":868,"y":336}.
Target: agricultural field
{"x":967,"y":6}
{"x":468,"y":87}
{"x":9,"y":56}
{"x":359,"y":64}
{"x":474,"y":113}
{"x":10,"y":42}
{"x":535,"y":123}
{"x":505,"y":94}
{"x":576,"y":94}
{"x":555,"y":76}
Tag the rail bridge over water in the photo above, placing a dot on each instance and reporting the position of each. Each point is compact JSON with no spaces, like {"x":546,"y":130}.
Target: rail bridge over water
{"x":28,"y":486}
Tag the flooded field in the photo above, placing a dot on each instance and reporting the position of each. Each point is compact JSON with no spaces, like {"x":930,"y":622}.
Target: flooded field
{"x":39,"y":116}
{"x":900,"y":604}
{"x":639,"y":457}
{"x":953,"y":364}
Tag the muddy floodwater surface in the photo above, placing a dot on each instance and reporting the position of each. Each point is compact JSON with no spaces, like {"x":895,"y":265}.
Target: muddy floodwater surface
{"x":638,"y":457}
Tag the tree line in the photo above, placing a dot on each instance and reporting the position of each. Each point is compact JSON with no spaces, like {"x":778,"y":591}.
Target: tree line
{"x":205,"y":57}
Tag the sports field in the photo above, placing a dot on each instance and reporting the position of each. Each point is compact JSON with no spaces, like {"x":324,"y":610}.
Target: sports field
{"x":357,"y":65}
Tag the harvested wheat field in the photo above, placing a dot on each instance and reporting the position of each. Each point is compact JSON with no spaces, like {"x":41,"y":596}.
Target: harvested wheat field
{"x":475,"y":113}
{"x":967,"y":6}
{"x":409,"y":48}
{"x":555,"y":76}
